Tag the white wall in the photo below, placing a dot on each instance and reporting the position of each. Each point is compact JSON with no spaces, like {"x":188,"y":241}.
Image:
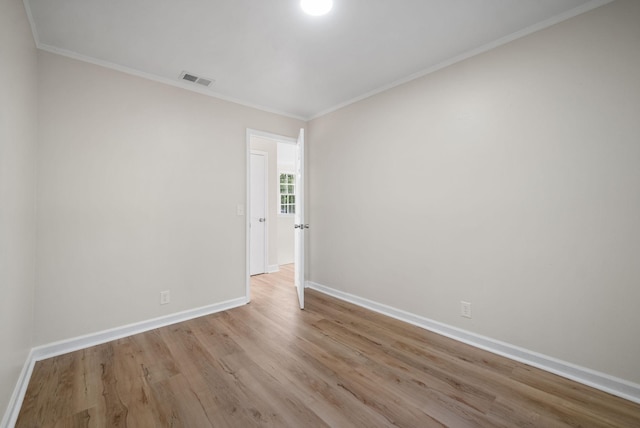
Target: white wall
{"x":285,"y":239}
{"x":18,"y":125}
{"x":138,"y":187}
{"x":510,"y":180}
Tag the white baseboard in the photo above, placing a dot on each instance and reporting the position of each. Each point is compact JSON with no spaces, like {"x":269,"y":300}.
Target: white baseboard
{"x":602,"y":381}
{"x":15,"y":402}
{"x":273,"y":268}
{"x":81,"y":342}
{"x":69,"y":345}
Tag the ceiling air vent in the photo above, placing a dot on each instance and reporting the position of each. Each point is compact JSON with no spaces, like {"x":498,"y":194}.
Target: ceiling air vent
{"x":190,"y":77}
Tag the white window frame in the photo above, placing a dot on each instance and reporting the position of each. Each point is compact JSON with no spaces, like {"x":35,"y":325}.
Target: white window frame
{"x":280,"y":194}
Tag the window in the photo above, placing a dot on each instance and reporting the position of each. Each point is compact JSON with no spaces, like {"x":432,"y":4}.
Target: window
{"x":287,"y":193}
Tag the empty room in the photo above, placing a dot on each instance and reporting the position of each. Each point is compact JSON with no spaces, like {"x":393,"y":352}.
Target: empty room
{"x":347,"y":213}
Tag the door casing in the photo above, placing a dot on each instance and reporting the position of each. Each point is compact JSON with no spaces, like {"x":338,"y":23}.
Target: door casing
{"x":279,"y":138}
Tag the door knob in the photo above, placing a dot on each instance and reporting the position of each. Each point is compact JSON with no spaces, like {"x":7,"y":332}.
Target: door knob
{"x":262,"y":220}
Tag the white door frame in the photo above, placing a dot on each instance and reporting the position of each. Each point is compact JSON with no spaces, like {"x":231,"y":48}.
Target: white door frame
{"x":277,"y":138}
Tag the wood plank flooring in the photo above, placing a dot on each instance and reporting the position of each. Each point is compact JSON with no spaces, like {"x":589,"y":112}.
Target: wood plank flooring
{"x":333,"y":364}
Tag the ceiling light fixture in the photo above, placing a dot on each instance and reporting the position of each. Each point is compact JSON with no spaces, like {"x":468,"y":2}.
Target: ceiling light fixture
{"x":316,"y":7}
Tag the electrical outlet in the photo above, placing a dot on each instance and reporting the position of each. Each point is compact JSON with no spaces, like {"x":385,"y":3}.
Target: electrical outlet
{"x":465,"y":309}
{"x":165,"y":297}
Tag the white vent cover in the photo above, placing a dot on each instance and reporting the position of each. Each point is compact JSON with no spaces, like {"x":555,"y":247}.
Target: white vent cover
{"x":190,"y":77}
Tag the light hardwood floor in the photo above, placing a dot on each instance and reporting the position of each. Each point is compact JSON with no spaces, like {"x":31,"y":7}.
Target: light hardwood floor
{"x":333,"y":364}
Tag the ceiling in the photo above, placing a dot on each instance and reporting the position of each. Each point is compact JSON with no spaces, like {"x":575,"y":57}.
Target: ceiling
{"x":269,"y":54}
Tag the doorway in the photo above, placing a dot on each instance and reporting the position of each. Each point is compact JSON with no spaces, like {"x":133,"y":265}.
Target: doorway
{"x":274,"y":207}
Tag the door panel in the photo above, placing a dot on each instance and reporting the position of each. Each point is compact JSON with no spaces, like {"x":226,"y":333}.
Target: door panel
{"x":258,"y":189}
{"x":299,"y":220}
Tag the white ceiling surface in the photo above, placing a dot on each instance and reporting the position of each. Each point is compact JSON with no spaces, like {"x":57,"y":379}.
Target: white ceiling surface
{"x":269,"y":54}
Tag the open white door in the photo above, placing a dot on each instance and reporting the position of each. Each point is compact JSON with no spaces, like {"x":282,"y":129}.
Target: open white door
{"x":299,"y":225}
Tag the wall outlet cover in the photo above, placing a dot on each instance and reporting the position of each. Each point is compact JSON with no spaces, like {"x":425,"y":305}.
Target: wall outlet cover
{"x":165,"y":297}
{"x":465,"y":309}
